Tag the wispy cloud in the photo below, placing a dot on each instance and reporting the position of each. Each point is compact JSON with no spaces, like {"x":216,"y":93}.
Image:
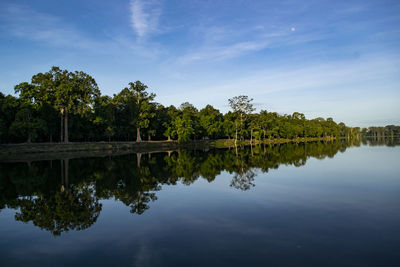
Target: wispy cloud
{"x":221,"y":43}
{"x":144,"y":16}
{"x":24,"y":22}
{"x":284,"y":88}
{"x":221,"y":52}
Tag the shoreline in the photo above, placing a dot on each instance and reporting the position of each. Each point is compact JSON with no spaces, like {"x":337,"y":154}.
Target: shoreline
{"x":38,"y":150}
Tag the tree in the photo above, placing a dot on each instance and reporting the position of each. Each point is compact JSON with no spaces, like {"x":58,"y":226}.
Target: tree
{"x":242,"y":107}
{"x":26,"y":124}
{"x":9,"y":106}
{"x":75,"y":95}
{"x":68,"y":92}
{"x":183,"y":128}
{"x":255,"y":126}
{"x":171,"y":113}
{"x":211,"y":121}
{"x":229,"y":124}
{"x":104,"y":116}
{"x":186,"y":125}
{"x":143,"y":102}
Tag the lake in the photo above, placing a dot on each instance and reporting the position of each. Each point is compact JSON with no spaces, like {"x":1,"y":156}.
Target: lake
{"x":313,"y":204}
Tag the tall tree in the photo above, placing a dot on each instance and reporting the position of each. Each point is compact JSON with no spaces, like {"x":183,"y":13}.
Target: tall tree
{"x":171,"y":113}
{"x":104,"y":116}
{"x":229,"y":124}
{"x":75,"y":95}
{"x":242,"y":107}
{"x":144,"y":111}
{"x":186,"y":123}
{"x":69,"y":92}
{"x":211,"y":121}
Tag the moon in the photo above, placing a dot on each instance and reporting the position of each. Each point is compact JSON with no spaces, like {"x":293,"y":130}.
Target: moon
{"x":293,"y":29}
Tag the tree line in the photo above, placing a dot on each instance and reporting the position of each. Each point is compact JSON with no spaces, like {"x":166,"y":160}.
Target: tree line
{"x":59,"y":106}
{"x":390,"y":131}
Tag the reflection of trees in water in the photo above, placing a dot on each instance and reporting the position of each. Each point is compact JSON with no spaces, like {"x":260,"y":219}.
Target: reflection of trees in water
{"x":42,"y":194}
{"x":183,"y":166}
{"x":73,"y":209}
{"x":65,"y":196}
{"x":138,"y":202}
{"x":381,"y":141}
{"x":243,"y":180}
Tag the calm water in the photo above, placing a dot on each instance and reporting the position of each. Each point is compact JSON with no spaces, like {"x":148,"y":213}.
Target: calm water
{"x":290,"y":205}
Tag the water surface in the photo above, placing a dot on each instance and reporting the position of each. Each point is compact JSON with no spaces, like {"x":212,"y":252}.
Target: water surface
{"x":321,"y":204}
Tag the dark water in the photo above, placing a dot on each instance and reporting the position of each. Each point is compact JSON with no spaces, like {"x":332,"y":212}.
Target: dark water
{"x":315,"y":204}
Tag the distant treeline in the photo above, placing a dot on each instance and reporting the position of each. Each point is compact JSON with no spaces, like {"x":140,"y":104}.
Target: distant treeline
{"x":58,"y":106}
{"x":381,"y":132}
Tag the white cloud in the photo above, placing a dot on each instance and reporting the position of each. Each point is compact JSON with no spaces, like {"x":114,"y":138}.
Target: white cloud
{"x":144,"y":16}
{"x":344,"y":90}
{"x":221,"y":43}
{"x":24,"y":22}
{"x":223,"y":52}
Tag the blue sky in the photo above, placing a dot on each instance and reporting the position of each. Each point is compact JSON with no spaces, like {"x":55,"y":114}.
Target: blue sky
{"x":337,"y":59}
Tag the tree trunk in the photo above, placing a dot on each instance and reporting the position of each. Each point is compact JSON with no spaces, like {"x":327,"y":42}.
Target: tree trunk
{"x":66,"y":127}
{"x":236,"y":134}
{"x":61,"y":126}
{"x":138,"y":139}
{"x":29,"y":138}
{"x":138,"y":157}
{"x":251,"y":137}
{"x":169,"y":138}
{"x":241,"y":125}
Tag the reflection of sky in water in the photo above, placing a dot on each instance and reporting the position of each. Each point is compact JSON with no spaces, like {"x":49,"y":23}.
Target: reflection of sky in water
{"x":343,"y":210}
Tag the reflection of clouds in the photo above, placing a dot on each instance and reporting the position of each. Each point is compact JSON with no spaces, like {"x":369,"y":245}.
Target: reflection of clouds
{"x":143,"y":256}
{"x":221,"y":224}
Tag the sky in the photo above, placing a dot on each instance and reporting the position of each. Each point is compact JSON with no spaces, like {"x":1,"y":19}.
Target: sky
{"x":338,"y":59}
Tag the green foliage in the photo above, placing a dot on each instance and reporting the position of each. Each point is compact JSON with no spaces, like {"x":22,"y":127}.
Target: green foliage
{"x":381,"y":132}
{"x":144,"y":105}
{"x":137,"y":106}
{"x":68,"y":92}
{"x":211,"y":121}
{"x":183,"y":128}
{"x":26,"y":125}
{"x":170,"y":115}
{"x":61,"y":100}
{"x":242,"y":107}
